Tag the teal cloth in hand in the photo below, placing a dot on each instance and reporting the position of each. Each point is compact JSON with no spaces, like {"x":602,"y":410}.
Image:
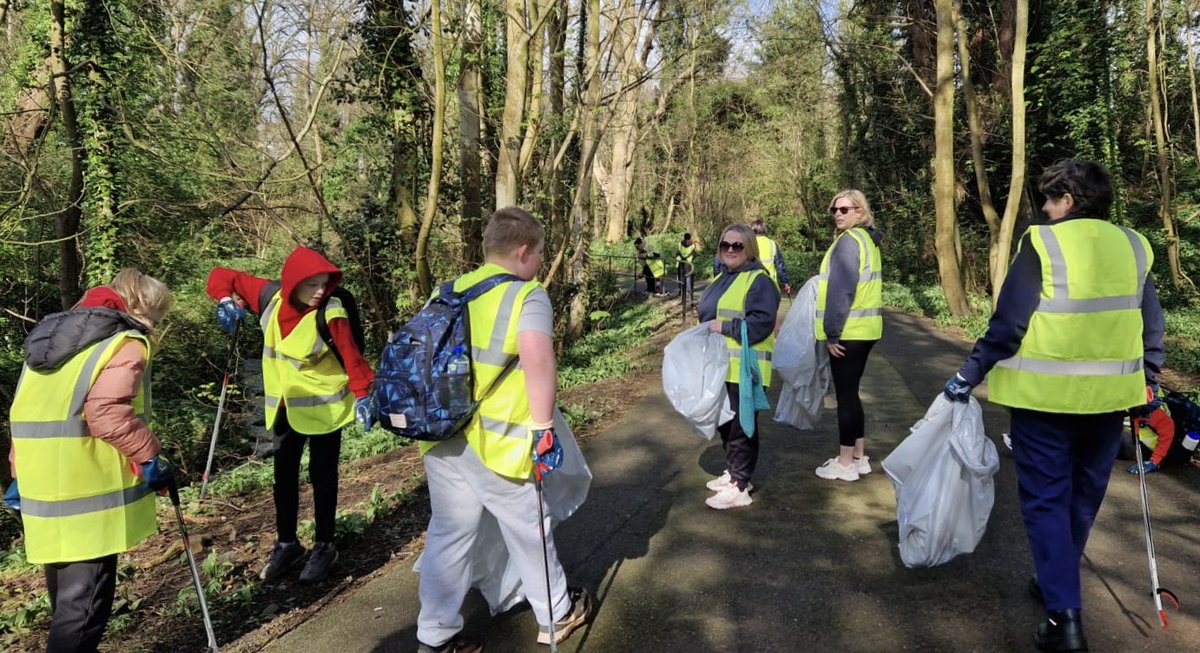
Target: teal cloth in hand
{"x":751,"y":395}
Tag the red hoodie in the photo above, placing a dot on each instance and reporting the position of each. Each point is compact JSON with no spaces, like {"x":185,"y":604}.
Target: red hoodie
{"x":301,"y":264}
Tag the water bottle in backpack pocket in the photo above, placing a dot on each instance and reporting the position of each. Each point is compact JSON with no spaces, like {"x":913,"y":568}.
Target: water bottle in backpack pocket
{"x":424,"y":387}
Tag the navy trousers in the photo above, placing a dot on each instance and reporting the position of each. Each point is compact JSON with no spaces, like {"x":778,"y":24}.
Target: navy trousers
{"x":1063,"y":465}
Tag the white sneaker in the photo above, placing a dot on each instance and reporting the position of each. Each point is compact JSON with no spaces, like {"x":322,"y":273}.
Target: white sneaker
{"x":729,"y":497}
{"x":719,"y":482}
{"x":862,"y":465}
{"x":833,"y":470}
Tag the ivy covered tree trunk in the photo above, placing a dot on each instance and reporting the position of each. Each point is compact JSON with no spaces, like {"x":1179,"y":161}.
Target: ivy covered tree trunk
{"x":68,"y":219}
{"x":946,"y":236}
{"x":508,"y":168}
{"x":470,"y":81}
{"x":424,"y":279}
{"x":1017,"y":182}
{"x":1162,"y":156}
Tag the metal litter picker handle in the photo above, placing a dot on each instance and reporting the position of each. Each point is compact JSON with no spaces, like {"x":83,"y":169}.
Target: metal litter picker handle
{"x":187,"y":549}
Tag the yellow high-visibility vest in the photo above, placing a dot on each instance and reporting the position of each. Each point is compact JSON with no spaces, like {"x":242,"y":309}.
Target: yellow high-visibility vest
{"x":686,"y":253}
{"x":1082,"y":353}
{"x":657,"y":267}
{"x":732,"y":304}
{"x":80,"y":498}
{"x":301,"y":372}
{"x":865,"y":321}
{"x":499,"y":431}
{"x":766,"y":255}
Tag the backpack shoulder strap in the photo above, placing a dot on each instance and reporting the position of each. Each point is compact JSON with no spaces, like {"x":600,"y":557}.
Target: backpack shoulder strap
{"x":479,"y":289}
{"x":265,"y":295}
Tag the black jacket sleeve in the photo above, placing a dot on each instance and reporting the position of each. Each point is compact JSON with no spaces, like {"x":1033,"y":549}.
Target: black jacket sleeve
{"x":843,"y":285}
{"x":1019,"y":298}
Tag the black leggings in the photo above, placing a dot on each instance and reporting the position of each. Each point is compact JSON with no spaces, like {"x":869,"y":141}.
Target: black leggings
{"x":847,"y":372}
{"x":323,"y":453}
{"x":741,"y":451}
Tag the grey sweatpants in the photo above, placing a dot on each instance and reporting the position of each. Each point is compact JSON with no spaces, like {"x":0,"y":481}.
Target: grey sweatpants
{"x":461,"y":488}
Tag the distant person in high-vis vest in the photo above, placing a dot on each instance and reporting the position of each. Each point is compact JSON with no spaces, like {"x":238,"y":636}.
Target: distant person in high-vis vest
{"x":685,"y":259}
{"x":309,"y":395}
{"x":653,"y":267}
{"x":489,"y":465}
{"x":84,"y":459}
{"x":772,"y":257}
{"x":849,"y":320}
{"x":741,"y":294}
{"x":1076,"y":340}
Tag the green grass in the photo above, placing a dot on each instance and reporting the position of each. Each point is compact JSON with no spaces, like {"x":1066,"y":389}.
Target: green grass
{"x":599,"y":355}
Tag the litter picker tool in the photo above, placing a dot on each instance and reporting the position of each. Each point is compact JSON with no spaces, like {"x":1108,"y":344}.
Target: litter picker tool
{"x":212,"y":445}
{"x":1158,"y":591}
{"x":537,"y":483}
{"x":187,"y":549}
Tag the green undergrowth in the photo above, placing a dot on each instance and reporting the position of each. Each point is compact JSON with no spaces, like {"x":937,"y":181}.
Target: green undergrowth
{"x":601,"y":354}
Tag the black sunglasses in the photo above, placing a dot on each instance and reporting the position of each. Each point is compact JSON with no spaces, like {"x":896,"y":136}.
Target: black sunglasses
{"x":733,"y":247}
{"x":834,"y":210}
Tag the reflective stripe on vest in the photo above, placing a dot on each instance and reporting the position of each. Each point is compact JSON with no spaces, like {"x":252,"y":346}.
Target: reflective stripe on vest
{"x":499,"y":431}
{"x":732,"y":305}
{"x":74,"y":484}
{"x":865,"y":319}
{"x":1082,"y":352}
{"x":303,"y":374}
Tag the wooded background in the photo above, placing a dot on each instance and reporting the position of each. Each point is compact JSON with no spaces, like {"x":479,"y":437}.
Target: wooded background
{"x":174,"y":135}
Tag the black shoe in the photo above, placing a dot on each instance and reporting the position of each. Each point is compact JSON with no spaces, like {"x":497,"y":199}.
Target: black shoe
{"x":283,"y":557}
{"x":1061,"y":631}
{"x":324,"y":555}
{"x":457,"y":644}
{"x":1035,"y":589}
{"x":581,"y":611}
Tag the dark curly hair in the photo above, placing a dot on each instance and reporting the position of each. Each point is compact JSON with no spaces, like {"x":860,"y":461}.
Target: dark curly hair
{"x":1088,"y":182}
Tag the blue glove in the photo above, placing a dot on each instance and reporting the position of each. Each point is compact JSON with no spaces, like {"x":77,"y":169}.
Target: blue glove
{"x":12,"y":497}
{"x":547,"y":452}
{"x":229,"y":314}
{"x":364,"y":413}
{"x":1148,"y":466}
{"x":157,"y":474}
{"x":957,"y":389}
{"x":1153,"y":403}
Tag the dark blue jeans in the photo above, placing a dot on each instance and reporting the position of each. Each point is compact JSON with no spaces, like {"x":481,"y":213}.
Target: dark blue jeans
{"x":1063,"y":465}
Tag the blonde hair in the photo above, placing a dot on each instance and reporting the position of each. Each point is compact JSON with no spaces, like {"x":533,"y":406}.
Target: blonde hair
{"x":509,"y":228}
{"x":748,"y":238}
{"x":143,"y":295}
{"x":856,"y":196}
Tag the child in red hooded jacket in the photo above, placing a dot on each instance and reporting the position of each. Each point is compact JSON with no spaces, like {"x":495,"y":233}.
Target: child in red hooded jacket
{"x":309,"y":394}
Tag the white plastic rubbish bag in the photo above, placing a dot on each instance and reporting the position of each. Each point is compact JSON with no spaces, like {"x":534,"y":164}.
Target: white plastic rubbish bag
{"x":694,"y":368}
{"x":564,"y":491}
{"x":801,"y":362}
{"x":942,"y":473}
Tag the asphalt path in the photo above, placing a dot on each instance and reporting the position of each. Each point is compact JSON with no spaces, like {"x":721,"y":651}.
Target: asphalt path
{"x":812,"y":565}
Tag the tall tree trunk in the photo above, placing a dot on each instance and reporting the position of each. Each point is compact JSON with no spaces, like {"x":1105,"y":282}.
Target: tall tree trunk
{"x":624,"y":132}
{"x":1191,"y":59}
{"x":470,"y":81}
{"x":579,"y":267}
{"x":1012,"y":206}
{"x":508,"y":168}
{"x":1160,"y":148}
{"x":424,"y":282}
{"x":981,"y":177}
{"x":943,"y":164}
{"x":66,"y":223}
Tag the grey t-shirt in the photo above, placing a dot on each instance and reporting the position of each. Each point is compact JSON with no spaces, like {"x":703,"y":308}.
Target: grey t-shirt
{"x":536,"y":313}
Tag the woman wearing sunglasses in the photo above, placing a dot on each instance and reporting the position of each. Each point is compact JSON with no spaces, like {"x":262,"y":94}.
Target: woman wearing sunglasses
{"x":741,"y":294}
{"x":849,"y":298}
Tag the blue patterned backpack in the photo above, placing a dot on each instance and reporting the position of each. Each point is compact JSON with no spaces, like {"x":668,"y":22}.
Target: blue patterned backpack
{"x":423,"y":387}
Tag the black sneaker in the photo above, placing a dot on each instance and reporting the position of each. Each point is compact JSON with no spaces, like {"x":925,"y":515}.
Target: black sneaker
{"x":1061,"y":631}
{"x":457,"y":644}
{"x":581,"y":611}
{"x":283,"y":557}
{"x":324,"y":554}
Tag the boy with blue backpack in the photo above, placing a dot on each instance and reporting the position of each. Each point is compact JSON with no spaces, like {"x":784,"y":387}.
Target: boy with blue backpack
{"x":489,"y":464}
{"x":315,"y":382}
